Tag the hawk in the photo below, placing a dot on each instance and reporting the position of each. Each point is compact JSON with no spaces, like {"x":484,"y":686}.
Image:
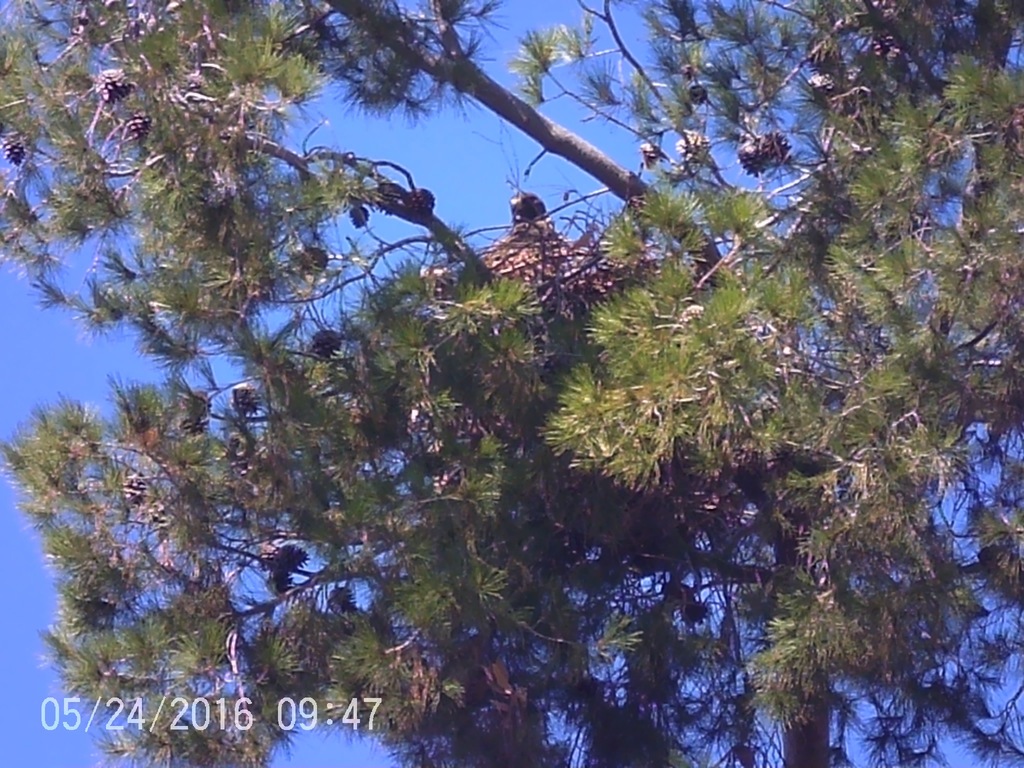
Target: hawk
{"x":565,"y":274}
{"x":531,"y":251}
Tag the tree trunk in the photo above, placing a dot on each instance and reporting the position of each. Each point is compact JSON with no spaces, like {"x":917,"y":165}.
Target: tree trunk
{"x":806,"y":744}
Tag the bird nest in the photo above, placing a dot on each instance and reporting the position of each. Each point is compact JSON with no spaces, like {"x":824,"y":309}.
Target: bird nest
{"x":568,"y":276}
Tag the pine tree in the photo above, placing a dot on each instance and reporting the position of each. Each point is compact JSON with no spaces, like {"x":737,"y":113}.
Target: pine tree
{"x":755,"y":502}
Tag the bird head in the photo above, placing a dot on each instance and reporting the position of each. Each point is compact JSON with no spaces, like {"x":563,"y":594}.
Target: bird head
{"x":526,"y":206}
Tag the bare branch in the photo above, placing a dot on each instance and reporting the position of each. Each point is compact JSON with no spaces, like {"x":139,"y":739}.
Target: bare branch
{"x":448,"y":239}
{"x":613,"y":28}
{"x":449,"y":38}
{"x":980,"y":336}
{"x":537,"y":159}
{"x":709,"y":275}
{"x":467,"y":78}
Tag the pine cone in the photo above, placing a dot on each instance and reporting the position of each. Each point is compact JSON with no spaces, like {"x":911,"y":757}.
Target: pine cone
{"x":113,"y":85}
{"x":693,"y":146}
{"x":650,"y":154}
{"x":341,"y":600}
{"x":134,"y":490}
{"x":197,"y":413}
{"x":752,"y":159}
{"x":421,"y":201}
{"x":438,"y":278}
{"x":282,"y":562}
{"x":245,"y":399}
{"x":325,"y":344}
{"x":698,"y":94}
{"x":822,"y":82}
{"x":884,"y":46}
{"x":758,"y":154}
{"x":776,"y":146}
{"x":14,"y":149}
{"x":137,"y":127}
{"x":359,"y":216}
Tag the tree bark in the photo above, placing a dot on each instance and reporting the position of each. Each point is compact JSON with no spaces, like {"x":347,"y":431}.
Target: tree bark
{"x":807,"y":740}
{"x":458,"y":71}
{"x":806,"y":743}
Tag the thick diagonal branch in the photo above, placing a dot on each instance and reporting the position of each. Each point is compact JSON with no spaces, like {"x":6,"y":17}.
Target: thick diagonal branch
{"x":467,"y":78}
{"x":442,"y":233}
{"x":455,"y":69}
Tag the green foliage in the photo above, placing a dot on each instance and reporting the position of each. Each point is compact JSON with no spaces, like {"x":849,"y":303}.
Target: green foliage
{"x":543,"y":50}
{"x":773,"y":475}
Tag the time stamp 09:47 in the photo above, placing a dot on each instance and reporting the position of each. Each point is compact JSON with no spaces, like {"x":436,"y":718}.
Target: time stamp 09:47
{"x":177,"y":713}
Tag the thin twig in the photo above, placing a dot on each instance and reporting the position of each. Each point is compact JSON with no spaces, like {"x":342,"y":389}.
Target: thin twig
{"x":609,"y":22}
{"x":722,"y":263}
{"x":403,"y":646}
{"x":444,"y":235}
{"x":466,"y":77}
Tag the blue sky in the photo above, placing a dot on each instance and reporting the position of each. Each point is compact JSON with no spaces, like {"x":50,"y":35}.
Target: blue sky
{"x":470,"y":162}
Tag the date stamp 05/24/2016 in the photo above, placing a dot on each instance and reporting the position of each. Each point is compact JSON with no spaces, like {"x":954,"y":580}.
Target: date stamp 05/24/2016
{"x":178,"y":713}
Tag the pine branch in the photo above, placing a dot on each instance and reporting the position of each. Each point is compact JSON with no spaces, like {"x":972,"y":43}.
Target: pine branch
{"x":448,"y":238}
{"x":467,"y":78}
{"x":878,"y":20}
{"x":613,"y":28}
{"x":449,"y":38}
